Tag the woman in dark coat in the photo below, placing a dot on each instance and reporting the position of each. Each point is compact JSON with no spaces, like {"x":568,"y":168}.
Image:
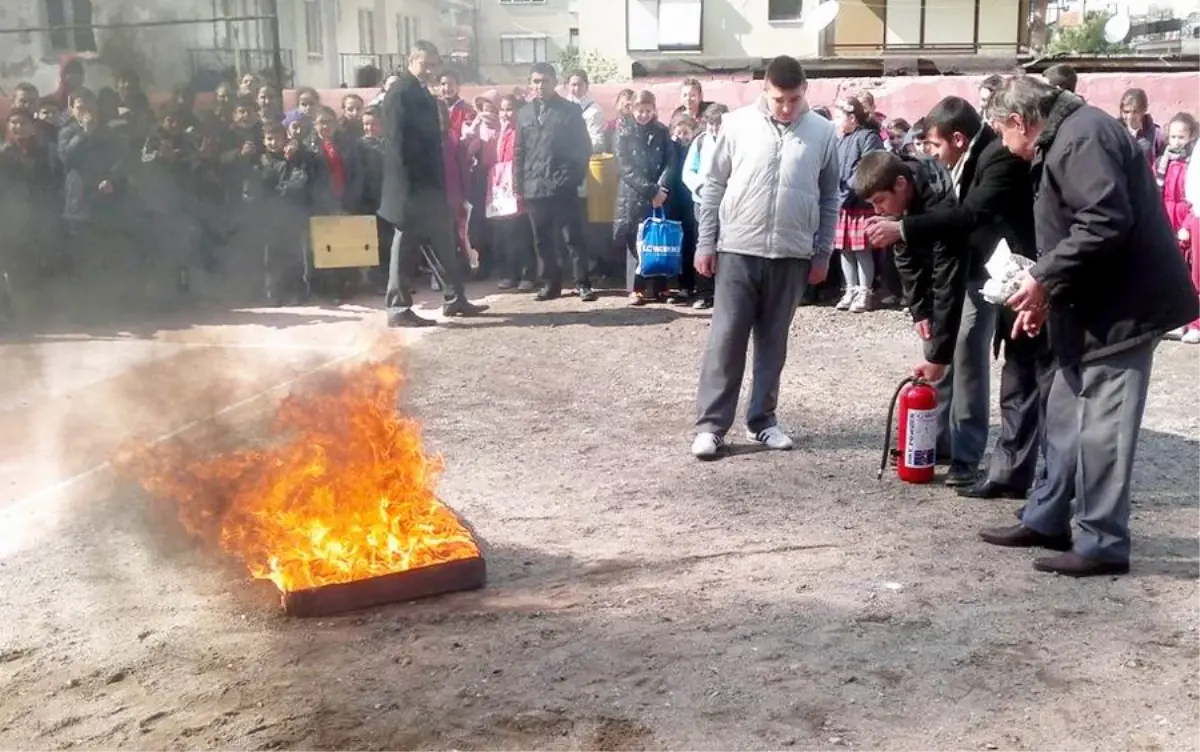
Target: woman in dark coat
{"x":647,"y":163}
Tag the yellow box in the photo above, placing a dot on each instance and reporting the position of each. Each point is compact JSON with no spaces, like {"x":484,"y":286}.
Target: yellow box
{"x":344,"y":242}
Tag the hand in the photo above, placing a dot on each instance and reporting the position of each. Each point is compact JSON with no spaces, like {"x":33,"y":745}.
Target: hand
{"x":923,"y":330}
{"x":1029,"y":323}
{"x":931,"y":372}
{"x":817,"y":273}
{"x":883,"y":232}
{"x":659,"y":199}
{"x":87,"y":121}
{"x":106,"y":187}
{"x":291,"y":150}
{"x":247,"y":149}
{"x":706,"y":266}
{"x":1030,"y":296}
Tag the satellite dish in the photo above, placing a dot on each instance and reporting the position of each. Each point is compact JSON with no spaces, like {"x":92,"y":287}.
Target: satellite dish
{"x":821,"y":16}
{"x":1116,"y":29}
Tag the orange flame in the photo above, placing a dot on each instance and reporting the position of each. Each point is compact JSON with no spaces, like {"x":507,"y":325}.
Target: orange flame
{"x":346,"y":494}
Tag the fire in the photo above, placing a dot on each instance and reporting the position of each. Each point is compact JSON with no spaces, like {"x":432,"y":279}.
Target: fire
{"x":344,"y":493}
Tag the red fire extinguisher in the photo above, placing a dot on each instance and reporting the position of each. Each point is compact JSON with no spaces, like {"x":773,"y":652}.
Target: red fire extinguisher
{"x":917,"y":440}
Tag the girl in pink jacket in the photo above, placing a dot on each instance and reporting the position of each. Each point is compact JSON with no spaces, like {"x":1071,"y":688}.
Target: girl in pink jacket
{"x":1171,"y":169}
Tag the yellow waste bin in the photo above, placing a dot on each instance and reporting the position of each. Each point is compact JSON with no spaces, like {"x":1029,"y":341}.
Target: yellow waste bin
{"x":601,"y":187}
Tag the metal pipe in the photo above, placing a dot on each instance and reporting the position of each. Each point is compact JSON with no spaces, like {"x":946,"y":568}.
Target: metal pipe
{"x":134,"y":25}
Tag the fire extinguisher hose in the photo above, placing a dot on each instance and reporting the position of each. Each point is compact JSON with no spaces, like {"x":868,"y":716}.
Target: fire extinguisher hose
{"x":887,"y":436}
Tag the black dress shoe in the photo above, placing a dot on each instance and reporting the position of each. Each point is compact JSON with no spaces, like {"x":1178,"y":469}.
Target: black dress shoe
{"x":988,"y":489}
{"x":1072,"y":564}
{"x":407,"y":319}
{"x":961,"y":474}
{"x":587,"y":294}
{"x":1019,"y":536}
{"x":548,"y":293}
{"x":463,"y":308}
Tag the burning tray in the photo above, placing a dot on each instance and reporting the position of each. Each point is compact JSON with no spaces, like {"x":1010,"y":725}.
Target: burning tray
{"x":423,"y":582}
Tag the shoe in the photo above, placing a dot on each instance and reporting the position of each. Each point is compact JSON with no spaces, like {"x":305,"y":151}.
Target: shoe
{"x":1191,"y":337}
{"x":708,"y":446}
{"x":889,"y":301}
{"x":506,"y":284}
{"x":961,"y":474}
{"x":862,"y":301}
{"x":703,"y":304}
{"x":463,"y":308}
{"x":679,"y":297}
{"x":406,"y":318}
{"x":1176,"y":334}
{"x":772,"y":438}
{"x":526,"y":286}
{"x":847,"y":299}
{"x":1019,"y":536}
{"x":1071,"y":564}
{"x":587,"y":294}
{"x":987,"y":489}
{"x":548,"y":293}
{"x":636,"y":299}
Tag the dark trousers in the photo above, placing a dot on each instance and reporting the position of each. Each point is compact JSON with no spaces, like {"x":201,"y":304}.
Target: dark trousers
{"x":755,"y":297}
{"x":285,"y":256}
{"x":428,"y":229}
{"x":384,"y":231}
{"x":552,"y":219}
{"x":512,"y":244}
{"x":1025,"y":380}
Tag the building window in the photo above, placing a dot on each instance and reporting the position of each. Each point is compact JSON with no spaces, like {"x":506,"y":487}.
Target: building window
{"x":573,"y":38}
{"x":314,"y":33}
{"x":77,"y":13}
{"x":524,"y":49}
{"x":404,"y":34}
{"x":664,"y":25}
{"x":784,"y":10}
{"x":366,"y":31}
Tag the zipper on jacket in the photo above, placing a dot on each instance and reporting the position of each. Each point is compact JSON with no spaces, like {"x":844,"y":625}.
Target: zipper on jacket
{"x":774,"y":187}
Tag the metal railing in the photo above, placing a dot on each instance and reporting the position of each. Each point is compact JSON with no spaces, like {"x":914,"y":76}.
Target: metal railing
{"x":349,"y":62}
{"x":240,"y":62}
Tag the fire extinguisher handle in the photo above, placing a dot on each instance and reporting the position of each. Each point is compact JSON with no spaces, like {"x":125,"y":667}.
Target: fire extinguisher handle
{"x":887,"y":435}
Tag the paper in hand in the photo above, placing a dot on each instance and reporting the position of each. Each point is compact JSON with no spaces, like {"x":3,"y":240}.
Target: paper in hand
{"x":1003,"y":268}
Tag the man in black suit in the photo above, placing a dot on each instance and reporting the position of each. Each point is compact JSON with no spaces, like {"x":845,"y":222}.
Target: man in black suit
{"x":414,"y":194}
{"x":994,"y":202}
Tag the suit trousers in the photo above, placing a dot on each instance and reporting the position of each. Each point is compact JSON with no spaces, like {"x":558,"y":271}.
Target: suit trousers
{"x":428,"y":229}
{"x":963,"y":393}
{"x":554,"y":220}
{"x":757,"y":297}
{"x":1025,"y":381}
{"x":1093,"y":419}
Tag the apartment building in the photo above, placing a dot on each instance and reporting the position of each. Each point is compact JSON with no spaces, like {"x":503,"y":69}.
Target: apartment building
{"x":514,"y":34}
{"x":628,"y":30}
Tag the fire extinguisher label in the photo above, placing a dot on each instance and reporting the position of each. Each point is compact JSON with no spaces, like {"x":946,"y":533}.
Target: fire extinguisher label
{"x":921,"y":435}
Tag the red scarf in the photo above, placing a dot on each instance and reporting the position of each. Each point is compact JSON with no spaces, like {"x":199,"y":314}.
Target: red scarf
{"x":337,"y":168}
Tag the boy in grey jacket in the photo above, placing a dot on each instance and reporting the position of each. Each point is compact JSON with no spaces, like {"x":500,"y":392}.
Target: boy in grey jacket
{"x":772,"y":191}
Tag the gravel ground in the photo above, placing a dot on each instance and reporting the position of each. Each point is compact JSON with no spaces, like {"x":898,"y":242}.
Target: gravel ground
{"x":637,"y":598}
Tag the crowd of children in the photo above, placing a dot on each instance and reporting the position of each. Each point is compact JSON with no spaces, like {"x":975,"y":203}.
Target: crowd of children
{"x":95,"y":181}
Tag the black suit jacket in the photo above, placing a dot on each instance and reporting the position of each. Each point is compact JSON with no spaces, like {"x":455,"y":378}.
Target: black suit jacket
{"x":552,"y":150}
{"x":412,"y":153}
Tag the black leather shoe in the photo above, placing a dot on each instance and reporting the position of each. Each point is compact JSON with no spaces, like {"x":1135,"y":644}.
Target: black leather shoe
{"x":548,"y":293}
{"x":987,"y":489}
{"x":407,"y":319}
{"x":961,"y":474}
{"x":1072,"y":564}
{"x":587,"y":294}
{"x":463,"y":308}
{"x":1019,"y":536}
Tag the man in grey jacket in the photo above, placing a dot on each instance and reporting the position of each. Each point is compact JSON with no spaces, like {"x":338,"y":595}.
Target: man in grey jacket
{"x":772,"y":191}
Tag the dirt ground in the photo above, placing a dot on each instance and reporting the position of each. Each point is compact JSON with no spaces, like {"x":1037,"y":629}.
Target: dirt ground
{"x":636,"y":598}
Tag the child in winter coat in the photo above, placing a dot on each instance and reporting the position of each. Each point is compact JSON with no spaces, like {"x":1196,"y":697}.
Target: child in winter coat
{"x":283,"y":195}
{"x":29,"y":196}
{"x":859,"y":137}
{"x":1171,"y":171}
{"x":95,"y":167}
{"x":168,"y":190}
{"x":1135,"y":112}
{"x":335,"y":187}
{"x":371,"y":145}
{"x":681,"y":208}
{"x":512,"y":234}
{"x":647,"y":162}
{"x":694,"y":172}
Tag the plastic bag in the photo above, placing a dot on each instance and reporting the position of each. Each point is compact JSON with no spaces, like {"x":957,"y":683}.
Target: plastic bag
{"x":1003,"y":268}
{"x":660,"y":247}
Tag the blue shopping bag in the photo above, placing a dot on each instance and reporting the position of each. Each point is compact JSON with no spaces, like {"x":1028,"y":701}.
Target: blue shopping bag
{"x":660,"y":246}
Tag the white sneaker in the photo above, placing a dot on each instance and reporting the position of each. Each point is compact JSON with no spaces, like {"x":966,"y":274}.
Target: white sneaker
{"x":847,"y":299}
{"x":1175,"y":334}
{"x":862,"y":300}
{"x":772,"y":438}
{"x":1191,"y":337}
{"x":707,"y":446}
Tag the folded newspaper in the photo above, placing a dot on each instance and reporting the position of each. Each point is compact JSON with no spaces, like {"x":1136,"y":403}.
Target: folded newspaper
{"x":1003,"y":269}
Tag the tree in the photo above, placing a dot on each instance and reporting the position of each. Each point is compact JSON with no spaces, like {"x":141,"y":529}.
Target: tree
{"x":1085,"y":39}
{"x":598,"y":67}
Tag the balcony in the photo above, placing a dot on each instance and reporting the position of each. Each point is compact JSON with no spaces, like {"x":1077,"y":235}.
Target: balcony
{"x":349,"y":62}
{"x":219,"y":63}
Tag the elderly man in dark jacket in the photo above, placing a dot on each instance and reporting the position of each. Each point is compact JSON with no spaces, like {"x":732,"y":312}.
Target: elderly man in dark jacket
{"x":995,"y":202}
{"x":1110,"y":281}
{"x":549,"y":164}
{"x":414,"y":194}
